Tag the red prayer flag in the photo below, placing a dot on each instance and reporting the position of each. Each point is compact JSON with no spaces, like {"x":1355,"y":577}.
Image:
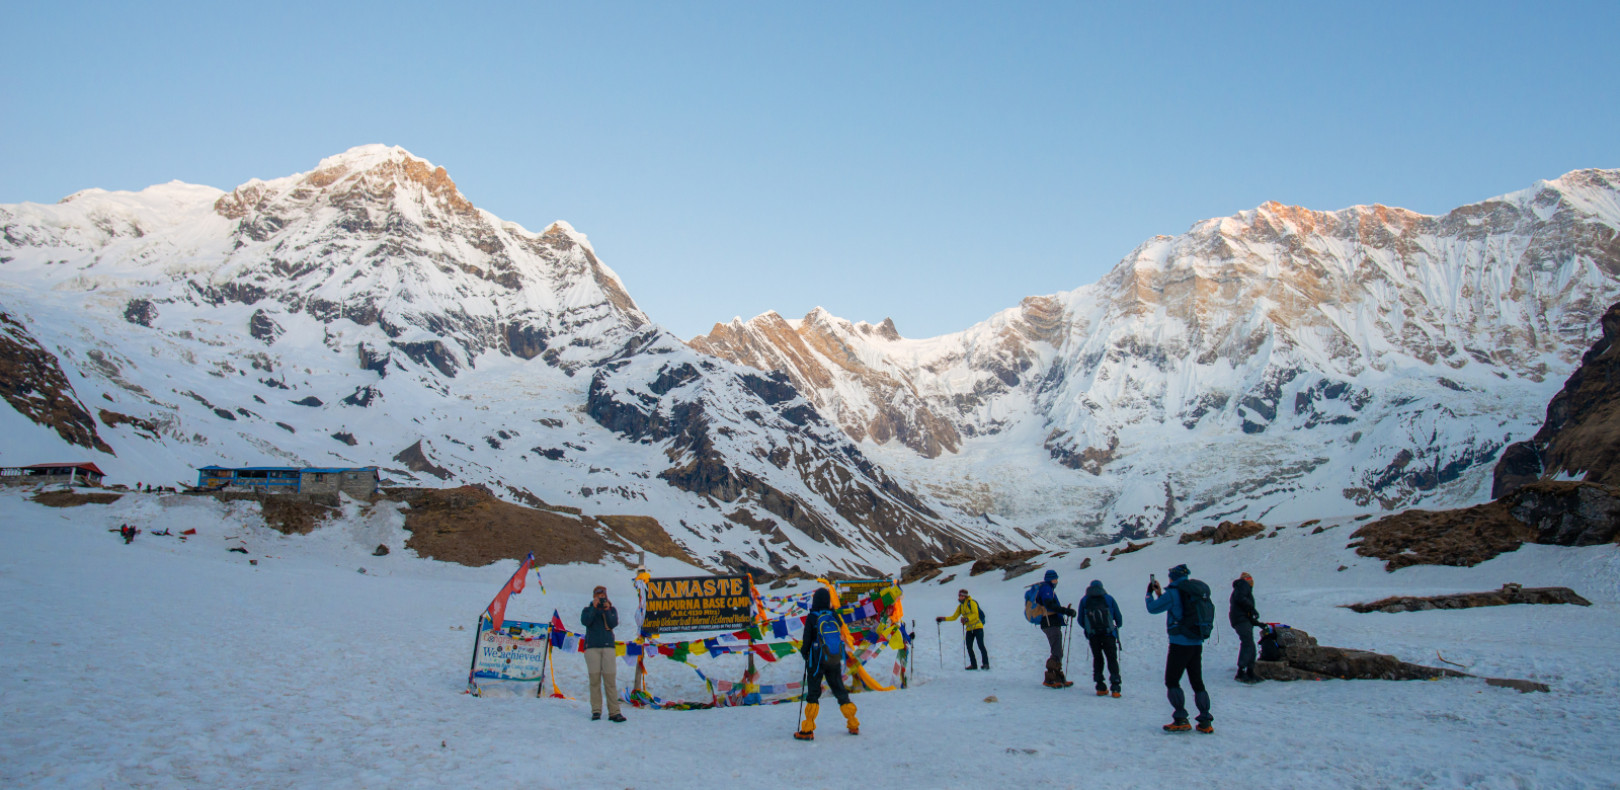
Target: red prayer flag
{"x":513,"y":586}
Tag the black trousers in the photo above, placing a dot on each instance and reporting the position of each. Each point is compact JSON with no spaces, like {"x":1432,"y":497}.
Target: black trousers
{"x":976,"y":635}
{"x":1246,"y":650}
{"x":829,"y":669}
{"x":1104,"y":648}
{"x":1187,"y":659}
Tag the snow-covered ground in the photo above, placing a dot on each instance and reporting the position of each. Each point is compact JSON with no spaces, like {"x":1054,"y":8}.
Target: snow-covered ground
{"x":170,"y":664}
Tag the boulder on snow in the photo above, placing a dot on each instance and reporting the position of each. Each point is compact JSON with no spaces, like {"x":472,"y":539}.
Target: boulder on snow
{"x":381,"y":551}
{"x":1226,"y":531}
{"x":1509,"y":594}
{"x":1305,"y":659}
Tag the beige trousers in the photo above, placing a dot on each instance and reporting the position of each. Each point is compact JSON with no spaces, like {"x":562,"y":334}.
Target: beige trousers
{"x":603,"y":666}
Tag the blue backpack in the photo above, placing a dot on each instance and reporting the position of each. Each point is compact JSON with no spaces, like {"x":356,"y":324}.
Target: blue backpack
{"x":832,"y":640}
{"x":1033,"y":610}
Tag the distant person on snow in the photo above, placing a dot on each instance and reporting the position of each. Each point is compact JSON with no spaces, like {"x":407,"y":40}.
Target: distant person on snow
{"x":973,"y":625}
{"x":599,"y":619}
{"x":823,"y":651}
{"x":1043,"y":604}
{"x":1241,"y":613}
{"x":1100,"y":618}
{"x":128,"y":532}
{"x":1192,"y":617}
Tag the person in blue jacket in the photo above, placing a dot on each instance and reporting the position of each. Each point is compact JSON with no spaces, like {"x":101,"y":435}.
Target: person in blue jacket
{"x":1186,"y":652}
{"x":1100,"y":618}
{"x":1052,"y":612}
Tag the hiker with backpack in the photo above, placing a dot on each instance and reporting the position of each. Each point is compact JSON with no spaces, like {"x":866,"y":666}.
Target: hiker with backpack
{"x":823,"y":651}
{"x":1241,"y":613}
{"x":1100,"y":619}
{"x":1042,"y":607}
{"x":973,"y":621}
{"x":1191,"y":620}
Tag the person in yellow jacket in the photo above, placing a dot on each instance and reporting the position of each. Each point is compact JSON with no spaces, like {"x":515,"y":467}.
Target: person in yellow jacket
{"x":973,"y":627}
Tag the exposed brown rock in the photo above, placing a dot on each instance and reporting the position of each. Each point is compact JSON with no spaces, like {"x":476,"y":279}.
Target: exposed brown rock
{"x":1581,"y":435}
{"x":923,"y":570}
{"x":32,"y":381}
{"x":1128,"y":548}
{"x":1304,"y":659}
{"x":469,"y":525}
{"x":1559,"y":513}
{"x":1509,"y":594}
{"x":416,"y":460}
{"x":1015,"y":563}
{"x":1226,"y":531}
{"x":646,"y":532}
{"x":73,"y":498}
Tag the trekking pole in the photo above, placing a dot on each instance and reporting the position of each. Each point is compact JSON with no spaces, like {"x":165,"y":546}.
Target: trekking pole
{"x":967,"y":655}
{"x":1068,"y":648}
{"x":940,"y":640}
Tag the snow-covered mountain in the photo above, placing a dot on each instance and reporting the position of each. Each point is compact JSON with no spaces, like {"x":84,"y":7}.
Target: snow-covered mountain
{"x":1281,"y":363}
{"x":366,"y":313}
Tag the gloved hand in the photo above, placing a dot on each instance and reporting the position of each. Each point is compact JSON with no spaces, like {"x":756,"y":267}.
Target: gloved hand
{"x":939,"y":619}
{"x":1154,"y":588}
{"x":1067,"y":611}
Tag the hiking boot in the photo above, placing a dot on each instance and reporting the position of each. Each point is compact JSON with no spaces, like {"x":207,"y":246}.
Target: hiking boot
{"x":1206,"y":728}
{"x":801,"y":735}
{"x":1052,"y":684}
{"x":971,"y":669}
{"x":1102,"y":692}
{"x":1179,"y":725}
{"x":617,"y":718}
{"x":1240,"y":676}
{"x":596,"y":717}
{"x":1116,"y":694}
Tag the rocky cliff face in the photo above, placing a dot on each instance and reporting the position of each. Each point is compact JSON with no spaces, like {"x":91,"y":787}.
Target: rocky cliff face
{"x":1580,"y":439}
{"x":367,"y":313}
{"x":1279,"y":363}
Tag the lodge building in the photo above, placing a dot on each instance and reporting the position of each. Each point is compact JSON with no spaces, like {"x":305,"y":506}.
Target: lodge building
{"x":359,"y":482}
{"x":80,"y":474}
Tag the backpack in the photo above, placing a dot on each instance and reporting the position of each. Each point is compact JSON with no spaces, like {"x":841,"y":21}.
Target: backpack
{"x":832,"y":640}
{"x":1095,"y":617}
{"x":1270,"y":648}
{"x":1033,"y":611}
{"x":1197,"y":610}
{"x":983,"y":618}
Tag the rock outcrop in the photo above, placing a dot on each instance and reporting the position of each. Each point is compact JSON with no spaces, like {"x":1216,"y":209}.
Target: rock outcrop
{"x":1581,"y":436}
{"x":1509,"y":594}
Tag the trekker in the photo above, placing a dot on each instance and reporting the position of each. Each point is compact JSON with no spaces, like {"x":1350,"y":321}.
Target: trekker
{"x":973,"y":627}
{"x":823,"y":652}
{"x":1051,"y":614}
{"x":1244,"y":619}
{"x":1100,"y":618}
{"x":1191,"y":619}
{"x":599,"y":619}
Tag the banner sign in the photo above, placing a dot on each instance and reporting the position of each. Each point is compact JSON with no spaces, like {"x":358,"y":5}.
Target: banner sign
{"x":515,"y":652}
{"x":856,"y":588}
{"x":698,"y":603}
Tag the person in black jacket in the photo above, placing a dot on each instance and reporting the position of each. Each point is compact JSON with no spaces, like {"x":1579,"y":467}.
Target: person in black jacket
{"x":1244,"y":620}
{"x":599,"y":619}
{"x":822,"y":663}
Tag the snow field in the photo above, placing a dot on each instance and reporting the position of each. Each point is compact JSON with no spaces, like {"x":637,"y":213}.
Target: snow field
{"x":169,"y":664}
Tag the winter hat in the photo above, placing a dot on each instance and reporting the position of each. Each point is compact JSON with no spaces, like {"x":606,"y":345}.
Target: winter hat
{"x":1051,"y":575}
{"x":599,"y":589}
{"x":1096,"y":586}
{"x":962,"y":591}
{"x":821,"y":600}
{"x":1246,"y":577}
{"x":1180,"y":572}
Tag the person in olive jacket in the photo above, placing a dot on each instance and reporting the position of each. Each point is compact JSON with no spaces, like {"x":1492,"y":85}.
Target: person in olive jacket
{"x":1244,"y":620}
{"x":599,"y":619}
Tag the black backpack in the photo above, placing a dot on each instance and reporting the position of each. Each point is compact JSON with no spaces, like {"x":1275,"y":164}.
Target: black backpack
{"x":1197,"y":610}
{"x":1270,"y":648}
{"x":1094,"y":615}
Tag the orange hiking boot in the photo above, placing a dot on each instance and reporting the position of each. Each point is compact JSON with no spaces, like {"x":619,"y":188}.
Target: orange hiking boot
{"x":1206,"y":728}
{"x":1179,"y":725}
{"x":1116,"y":695}
{"x":807,"y":730}
{"x":1102,"y":692}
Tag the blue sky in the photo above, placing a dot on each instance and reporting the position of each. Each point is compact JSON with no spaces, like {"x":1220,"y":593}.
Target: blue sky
{"x":932,"y":162}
